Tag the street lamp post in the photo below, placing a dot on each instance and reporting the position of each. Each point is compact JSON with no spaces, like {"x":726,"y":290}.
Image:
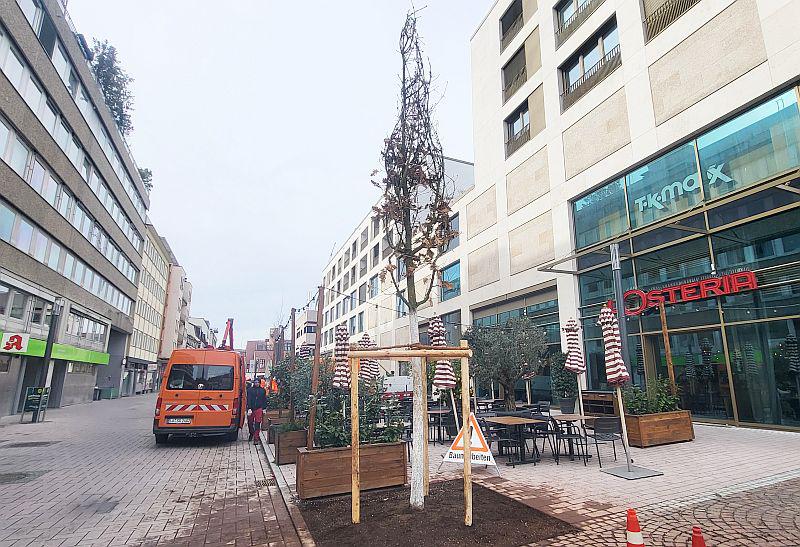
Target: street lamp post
{"x":58,"y":305}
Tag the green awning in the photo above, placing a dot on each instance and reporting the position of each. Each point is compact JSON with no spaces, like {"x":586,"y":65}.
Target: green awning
{"x":65,"y":352}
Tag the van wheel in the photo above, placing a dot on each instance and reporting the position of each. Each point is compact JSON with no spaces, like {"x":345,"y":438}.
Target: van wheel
{"x":161,"y":438}
{"x":233,"y":436}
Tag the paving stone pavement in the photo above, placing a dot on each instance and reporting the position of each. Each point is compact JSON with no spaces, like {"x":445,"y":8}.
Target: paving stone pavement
{"x":742,"y":486}
{"x":103,"y":481}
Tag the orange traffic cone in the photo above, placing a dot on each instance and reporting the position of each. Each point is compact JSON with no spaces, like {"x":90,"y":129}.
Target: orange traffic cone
{"x":633,"y":531}
{"x":697,"y":537}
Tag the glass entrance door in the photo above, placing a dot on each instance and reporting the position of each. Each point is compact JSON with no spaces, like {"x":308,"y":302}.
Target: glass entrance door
{"x":701,"y":372}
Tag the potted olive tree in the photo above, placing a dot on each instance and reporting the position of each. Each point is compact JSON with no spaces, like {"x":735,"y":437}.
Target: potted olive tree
{"x":654,"y":417}
{"x":507,"y":353}
{"x":564,"y":384}
{"x":325,"y":469}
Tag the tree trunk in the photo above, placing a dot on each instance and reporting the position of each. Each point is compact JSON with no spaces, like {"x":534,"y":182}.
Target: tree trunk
{"x":508,"y":395}
{"x":417,"y":499}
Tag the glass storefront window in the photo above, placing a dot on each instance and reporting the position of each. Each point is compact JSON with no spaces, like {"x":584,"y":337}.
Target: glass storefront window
{"x":762,"y":304}
{"x":597,"y":286}
{"x":600,"y":215}
{"x":766,"y":371}
{"x":767,"y":242}
{"x":673,"y":263}
{"x":700,"y":371}
{"x":665,"y":186}
{"x":746,"y":207}
{"x":758,"y":144}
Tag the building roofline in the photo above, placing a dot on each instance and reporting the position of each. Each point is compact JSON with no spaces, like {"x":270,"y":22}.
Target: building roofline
{"x":485,"y":17}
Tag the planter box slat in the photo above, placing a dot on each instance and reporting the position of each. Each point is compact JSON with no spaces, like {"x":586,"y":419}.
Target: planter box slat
{"x":657,"y":429}
{"x":326,"y":471}
{"x":286,"y":445}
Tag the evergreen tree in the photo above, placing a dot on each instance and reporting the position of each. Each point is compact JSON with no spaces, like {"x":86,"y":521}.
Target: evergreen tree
{"x":115,"y":84}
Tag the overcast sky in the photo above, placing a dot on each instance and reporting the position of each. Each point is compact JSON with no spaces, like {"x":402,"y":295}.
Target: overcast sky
{"x":262,"y":120}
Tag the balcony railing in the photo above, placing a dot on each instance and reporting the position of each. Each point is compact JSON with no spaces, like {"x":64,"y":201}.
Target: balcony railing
{"x":510,"y":32}
{"x":516,"y":82}
{"x":591,"y":78}
{"x":514,"y":143}
{"x":576,"y":20}
{"x":665,"y":15}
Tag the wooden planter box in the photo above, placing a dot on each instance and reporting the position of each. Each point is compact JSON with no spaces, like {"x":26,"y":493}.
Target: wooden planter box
{"x":270,"y":423}
{"x":286,"y":445}
{"x":276,"y":413}
{"x":326,"y":471}
{"x":662,"y":428}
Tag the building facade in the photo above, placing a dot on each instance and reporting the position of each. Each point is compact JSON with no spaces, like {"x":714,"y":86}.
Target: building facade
{"x":176,"y":311}
{"x":258,"y":357}
{"x":72,"y":214}
{"x":199,"y":333}
{"x":305,"y":331}
{"x":356,"y":296}
{"x":669,"y":127}
{"x":141,"y":362}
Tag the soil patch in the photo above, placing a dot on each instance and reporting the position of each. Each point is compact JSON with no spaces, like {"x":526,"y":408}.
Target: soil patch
{"x":387,"y":519}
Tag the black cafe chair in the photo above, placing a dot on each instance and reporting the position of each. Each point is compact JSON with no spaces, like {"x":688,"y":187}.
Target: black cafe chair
{"x":606,"y":429}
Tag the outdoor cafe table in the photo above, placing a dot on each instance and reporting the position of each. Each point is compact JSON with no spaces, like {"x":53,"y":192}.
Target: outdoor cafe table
{"x":570,"y":419}
{"x":519,"y":422}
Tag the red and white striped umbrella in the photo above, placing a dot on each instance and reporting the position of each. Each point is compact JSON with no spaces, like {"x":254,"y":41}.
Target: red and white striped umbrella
{"x":341,"y":372}
{"x":443,"y":377}
{"x":616,"y":372}
{"x":575,"y":362}
{"x":368,"y":369}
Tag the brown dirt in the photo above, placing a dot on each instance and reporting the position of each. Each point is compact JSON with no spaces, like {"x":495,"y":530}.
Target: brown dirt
{"x":387,"y":519}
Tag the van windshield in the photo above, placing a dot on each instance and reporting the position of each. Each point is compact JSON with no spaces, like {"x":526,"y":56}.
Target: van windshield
{"x":204,"y":377}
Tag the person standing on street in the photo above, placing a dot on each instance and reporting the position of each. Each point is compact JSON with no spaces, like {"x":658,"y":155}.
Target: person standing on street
{"x":256,"y":403}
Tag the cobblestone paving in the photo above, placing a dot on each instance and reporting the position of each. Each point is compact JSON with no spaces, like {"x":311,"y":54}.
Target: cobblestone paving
{"x":741,"y":486}
{"x":103,"y":481}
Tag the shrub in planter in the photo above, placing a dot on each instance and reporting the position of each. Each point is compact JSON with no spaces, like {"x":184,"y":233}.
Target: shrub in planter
{"x":326,"y":470}
{"x":653,"y":416}
{"x":564,"y":384}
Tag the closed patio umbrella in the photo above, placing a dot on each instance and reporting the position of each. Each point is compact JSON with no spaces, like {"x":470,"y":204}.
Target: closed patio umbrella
{"x":368,"y":371}
{"x":443,"y":376}
{"x":341,"y":372}
{"x":616,"y":372}
{"x":575,"y":362}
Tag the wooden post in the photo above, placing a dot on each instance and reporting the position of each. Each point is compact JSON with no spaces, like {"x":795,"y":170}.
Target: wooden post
{"x":355,"y":446}
{"x":667,"y":349}
{"x":426,"y":462}
{"x":466,"y":436}
{"x":312,"y":408}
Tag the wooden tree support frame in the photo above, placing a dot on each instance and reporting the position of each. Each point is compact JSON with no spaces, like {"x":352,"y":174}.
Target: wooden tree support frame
{"x":355,"y":355}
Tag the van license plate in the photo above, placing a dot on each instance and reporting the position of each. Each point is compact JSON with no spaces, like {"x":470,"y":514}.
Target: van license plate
{"x":179,"y":420}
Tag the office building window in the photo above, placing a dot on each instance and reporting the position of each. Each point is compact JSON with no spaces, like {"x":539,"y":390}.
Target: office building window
{"x":362,"y":293}
{"x":402,"y":308}
{"x":352,"y":325}
{"x":361,"y":322}
{"x":454,"y":227}
{"x":374,"y":286}
{"x":451,"y":281}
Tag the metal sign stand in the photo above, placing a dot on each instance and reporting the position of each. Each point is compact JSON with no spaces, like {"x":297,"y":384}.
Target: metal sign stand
{"x":629,"y":471}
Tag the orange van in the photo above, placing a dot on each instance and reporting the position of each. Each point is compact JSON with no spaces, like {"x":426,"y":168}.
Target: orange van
{"x":202,"y":394}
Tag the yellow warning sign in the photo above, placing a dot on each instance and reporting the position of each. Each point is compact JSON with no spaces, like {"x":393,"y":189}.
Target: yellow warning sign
{"x":480,"y":452}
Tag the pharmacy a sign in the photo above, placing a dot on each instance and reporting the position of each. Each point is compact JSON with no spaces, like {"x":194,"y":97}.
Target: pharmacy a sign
{"x":480,"y":453}
{"x":14,"y":342}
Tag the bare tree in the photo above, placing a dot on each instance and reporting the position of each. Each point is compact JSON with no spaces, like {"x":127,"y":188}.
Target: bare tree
{"x":415,"y":209}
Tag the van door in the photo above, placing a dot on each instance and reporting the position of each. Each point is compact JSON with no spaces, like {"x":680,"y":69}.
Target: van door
{"x":216,"y":395}
{"x":181,"y":394}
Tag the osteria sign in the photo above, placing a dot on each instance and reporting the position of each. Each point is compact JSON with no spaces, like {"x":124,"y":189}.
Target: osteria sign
{"x":637,"y":301}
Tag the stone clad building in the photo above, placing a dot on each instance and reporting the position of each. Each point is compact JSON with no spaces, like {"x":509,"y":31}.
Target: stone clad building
{"x":670,"y":127}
